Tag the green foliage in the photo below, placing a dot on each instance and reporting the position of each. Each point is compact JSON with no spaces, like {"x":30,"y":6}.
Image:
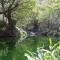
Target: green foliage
{"x":23,"y":12}
{"x":25,"y":8}
{"x":53,"y":53}
{"x":47,"y":9}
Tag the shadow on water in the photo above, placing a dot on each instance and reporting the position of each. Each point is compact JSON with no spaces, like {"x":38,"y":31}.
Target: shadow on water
{"x":7,"y":46}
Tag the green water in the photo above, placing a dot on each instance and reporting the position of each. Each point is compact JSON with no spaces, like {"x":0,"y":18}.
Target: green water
{"x":15,"y":51}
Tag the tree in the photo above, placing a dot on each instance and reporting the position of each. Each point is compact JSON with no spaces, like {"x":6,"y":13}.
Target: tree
{"x":7,"y":7}
{"x":48,"y":9}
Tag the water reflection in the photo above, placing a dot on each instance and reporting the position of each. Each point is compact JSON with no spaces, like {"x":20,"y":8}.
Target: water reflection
{"x":8,"y":47}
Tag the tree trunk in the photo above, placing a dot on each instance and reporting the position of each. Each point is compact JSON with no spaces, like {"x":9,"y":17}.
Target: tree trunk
{"x":10,"y":25}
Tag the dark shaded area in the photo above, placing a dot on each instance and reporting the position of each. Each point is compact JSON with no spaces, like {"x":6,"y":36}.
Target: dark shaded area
{"x":45,"y":28}
{"x":9,"y":40}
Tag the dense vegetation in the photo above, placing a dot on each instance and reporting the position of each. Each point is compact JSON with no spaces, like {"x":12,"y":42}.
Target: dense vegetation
{"x":29,"y":29}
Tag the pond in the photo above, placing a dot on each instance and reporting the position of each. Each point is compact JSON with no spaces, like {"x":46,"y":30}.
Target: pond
{"x":17,"y":50}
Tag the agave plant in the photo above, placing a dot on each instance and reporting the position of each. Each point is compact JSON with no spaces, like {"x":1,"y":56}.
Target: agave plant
{"x":44,"y":54}
{"x":34,"y":56}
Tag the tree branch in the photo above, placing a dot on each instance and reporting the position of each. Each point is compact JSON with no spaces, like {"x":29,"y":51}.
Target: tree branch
{"x":1,"y":12}
{"x":11,"y":4}
{"x":16,"y":5}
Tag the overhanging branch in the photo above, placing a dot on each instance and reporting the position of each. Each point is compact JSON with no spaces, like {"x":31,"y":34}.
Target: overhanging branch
{"x":11,"y":4}
{"x":1,"y":12}
{"x":16,"y":5}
